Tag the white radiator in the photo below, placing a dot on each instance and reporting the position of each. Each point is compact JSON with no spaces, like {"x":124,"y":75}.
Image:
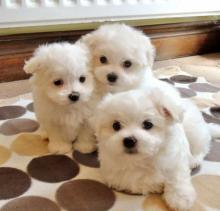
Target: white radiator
{"x":17,"y":13}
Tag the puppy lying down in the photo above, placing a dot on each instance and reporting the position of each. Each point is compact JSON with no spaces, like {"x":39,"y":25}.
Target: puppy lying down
{"x":143,"y":147}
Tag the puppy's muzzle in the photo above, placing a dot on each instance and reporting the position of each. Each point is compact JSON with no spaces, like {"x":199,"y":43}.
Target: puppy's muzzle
{"x":74,"y":96}
{"x":129,"y":142}
{"x":112,"y":77}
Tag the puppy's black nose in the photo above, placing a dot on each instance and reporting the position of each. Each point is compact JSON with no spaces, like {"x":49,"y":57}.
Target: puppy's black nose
{"x":129,"y":142}
{"x":112,"y":77}
{"x":74,"y":96}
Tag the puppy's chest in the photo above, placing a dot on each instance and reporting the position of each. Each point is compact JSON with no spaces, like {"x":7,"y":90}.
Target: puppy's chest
{"x":134,"y":179}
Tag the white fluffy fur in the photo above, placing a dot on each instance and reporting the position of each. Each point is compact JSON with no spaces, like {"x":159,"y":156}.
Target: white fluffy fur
{"x":118,"y":43}
{"x":160,"y":159}
{"x":61,"y":118}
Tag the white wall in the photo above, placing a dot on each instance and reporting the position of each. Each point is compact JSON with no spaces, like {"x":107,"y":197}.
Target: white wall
{"x":16,"y":13}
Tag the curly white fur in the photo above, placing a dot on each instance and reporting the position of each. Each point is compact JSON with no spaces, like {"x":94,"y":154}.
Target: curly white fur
{"x":60,"y":117}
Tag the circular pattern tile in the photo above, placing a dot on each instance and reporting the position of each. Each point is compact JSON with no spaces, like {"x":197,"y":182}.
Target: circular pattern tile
{"x":90,"y":159}
{"x":204,"y":87}
{"x":85,"y":195}
{"x":10,"y":112}
{"x":215,"y":111}
{"x":210,"y":119}
{"x":214,"y":154}
{"x":167,"y":80}
{"x":30,"y":107}
{"x":4,"y":154}
{"x":30,"y":145}
{"x":208,"y":190}
{"x":13,"y":182}
{"x":155,"y":202}
{"x":53,"y":168}
{"x":185,"y":79}
{"x":185,"y":93}
{"x":14,"y":126}
{"x":30,"y":203}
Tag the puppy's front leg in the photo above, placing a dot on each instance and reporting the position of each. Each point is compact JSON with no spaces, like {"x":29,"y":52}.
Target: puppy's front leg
{"x":57,"y":143}
{"x":86,"y":141}
{"x":179,"y":192}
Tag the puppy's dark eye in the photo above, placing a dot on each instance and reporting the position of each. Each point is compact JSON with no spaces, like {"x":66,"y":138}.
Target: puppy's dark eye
{"x":147,"y":125}
{"x":127,"y":64}
{"x":103,"y":60}
{"x":58,"y":82}
{"x":116,"y":125}
{"x":82,"y":79}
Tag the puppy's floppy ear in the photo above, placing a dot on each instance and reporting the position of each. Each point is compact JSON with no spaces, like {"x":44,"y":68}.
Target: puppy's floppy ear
{"x":32,"y":65}
{"x":90,"y":39}
{"x":150,"y":51}
{"x":168,"y":106}
{"x":36,"y":62}
{"x":151,"y":54}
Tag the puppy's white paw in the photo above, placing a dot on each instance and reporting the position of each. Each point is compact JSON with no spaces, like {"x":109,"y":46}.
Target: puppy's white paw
{"x":195,"y":161}
{"x":181,"y":200}
{"x":59,"y":147}
{"x":85,"y":147}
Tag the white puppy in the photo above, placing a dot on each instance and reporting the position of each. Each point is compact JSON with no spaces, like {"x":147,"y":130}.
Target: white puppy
{"x":142,"y":146}
{"x":122,"y":59}
{"x":62,"y":87}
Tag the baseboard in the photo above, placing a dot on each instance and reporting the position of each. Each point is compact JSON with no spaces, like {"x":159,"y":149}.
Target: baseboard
{"x":171,"y":41}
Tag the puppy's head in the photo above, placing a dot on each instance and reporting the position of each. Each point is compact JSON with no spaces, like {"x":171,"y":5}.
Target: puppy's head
{"x":60,"y":73}
{"x":135,"y":123}
{"x":120,"y":56}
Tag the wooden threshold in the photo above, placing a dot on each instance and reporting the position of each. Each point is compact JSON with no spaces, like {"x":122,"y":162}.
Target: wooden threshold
{"x":171,"y":41}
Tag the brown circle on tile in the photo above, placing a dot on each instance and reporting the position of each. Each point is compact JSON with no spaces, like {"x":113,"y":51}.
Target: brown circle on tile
{"x":215,"y":111}
{"x":214,"y":153}
{"x":210,"y":119}
{"x":90,"y":159}
{"x":155,"y":202}
{"x":30,"y":203}
{"x":30,"y":107}
{"x":204,"y":87}
{"x":184,"y":79}
{"x":167,"y":80}
{"x":53,"y":168}
{"x":14,"y":126}
{"x":208,"y":190}
{"x":29,"y":144}
{"x":10,"y":112}
{"x":186,"y":92}
{"x":85,"y":195}
{"x":13,"y":182}
{"x":4,"y":154}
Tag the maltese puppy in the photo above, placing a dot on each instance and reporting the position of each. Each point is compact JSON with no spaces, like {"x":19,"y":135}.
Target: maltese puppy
{"x":62,"y":87}
{"x":142,"y":146}
{"x":122,"y":59}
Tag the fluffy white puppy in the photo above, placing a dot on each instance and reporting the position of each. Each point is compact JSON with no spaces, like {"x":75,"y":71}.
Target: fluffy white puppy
{"x":142,"y":146}
{"x":122,"y":59}
{"x":62,"y":87}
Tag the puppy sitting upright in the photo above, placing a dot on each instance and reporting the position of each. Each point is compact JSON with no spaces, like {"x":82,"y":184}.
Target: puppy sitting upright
{"x":62,"y":86}
{"x":142,"y":146}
